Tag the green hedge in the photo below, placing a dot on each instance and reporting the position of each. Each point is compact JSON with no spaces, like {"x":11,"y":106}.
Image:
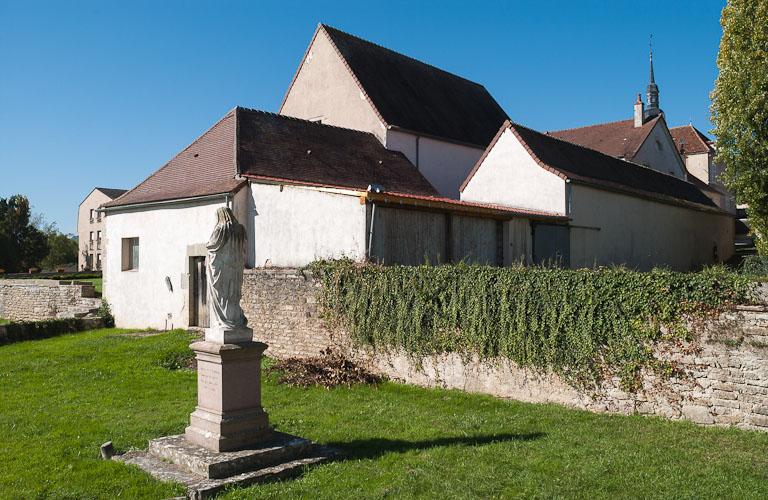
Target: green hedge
{"x":30,"y":330}
{"x":578,"y":323}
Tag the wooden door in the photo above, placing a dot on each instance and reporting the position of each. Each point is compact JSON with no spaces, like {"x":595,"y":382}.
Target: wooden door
{"x":199,"y":292}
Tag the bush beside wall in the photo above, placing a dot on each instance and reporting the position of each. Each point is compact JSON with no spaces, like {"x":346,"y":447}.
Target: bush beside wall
{"x":581,"y":324}
{"x":30,"y":330}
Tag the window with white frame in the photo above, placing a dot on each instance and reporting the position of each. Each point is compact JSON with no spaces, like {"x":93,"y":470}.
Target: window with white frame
{"x":130,"y":257}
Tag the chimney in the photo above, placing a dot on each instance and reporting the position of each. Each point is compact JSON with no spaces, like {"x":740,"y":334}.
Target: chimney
{"x":639,"y":112}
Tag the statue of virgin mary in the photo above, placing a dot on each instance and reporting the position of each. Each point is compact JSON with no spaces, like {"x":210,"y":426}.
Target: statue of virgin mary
{"x":226,"y":261}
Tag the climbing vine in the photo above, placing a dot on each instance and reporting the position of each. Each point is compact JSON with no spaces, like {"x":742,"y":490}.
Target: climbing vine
{"x":577,"y":323}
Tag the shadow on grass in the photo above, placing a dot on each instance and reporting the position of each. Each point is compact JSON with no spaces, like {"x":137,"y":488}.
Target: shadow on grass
{"x":376,"y":447}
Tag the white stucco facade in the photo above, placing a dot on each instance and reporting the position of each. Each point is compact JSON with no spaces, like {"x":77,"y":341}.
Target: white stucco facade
{"x":610,"y":228}
{"x":324,"y":90}
{"x":444,"y":164}
{"x":659,"y":152}
{"x":140,"y":298}
{"x":509,"y":176}
{"x":295,"y":225}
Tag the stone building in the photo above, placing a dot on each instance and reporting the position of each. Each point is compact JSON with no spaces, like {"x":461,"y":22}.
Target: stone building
{"x":90,"y":227}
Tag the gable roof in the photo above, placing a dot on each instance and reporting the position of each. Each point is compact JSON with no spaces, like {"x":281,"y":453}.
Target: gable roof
{"x":112,"y":192}
{"x":689,"y":140}
{"x":277,"y":147}
{"x":261,"y":145}
{"x":418,"y":97}
{"x":620,"y":139}
{"x":587,"y":166}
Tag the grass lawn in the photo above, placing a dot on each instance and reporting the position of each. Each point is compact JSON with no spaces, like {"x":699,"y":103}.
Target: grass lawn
{"x":60,"y":398}
{"x":96,"y":283}
{"x":4,"y":321}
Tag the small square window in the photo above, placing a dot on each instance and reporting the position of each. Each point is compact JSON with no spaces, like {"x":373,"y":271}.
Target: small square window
{"x":130,"y":257}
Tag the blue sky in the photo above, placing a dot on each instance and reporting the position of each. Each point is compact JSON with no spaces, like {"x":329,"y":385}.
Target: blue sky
{"x":103,"y":93}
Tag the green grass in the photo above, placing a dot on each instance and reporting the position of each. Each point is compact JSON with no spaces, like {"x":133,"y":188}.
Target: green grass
{"x":61,"y":398}
{"x":4,"y":321}
{"x":96,"y":283}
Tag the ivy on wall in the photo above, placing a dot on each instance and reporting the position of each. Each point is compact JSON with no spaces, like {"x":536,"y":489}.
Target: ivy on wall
{"x":577,"y":323}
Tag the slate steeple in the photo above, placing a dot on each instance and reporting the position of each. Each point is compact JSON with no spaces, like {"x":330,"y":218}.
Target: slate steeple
{"x":652,"y":91}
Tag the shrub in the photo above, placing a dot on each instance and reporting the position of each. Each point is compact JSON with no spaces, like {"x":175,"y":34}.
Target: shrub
{"x":755,"y":265}
{"x":30,"y":330}
{"x":105,"y":313}
{"x":578,"y":323}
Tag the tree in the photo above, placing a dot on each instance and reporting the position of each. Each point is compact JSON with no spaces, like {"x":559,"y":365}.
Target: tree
{"x":740,"y":108}
{"x":22,"y":245}
{"x":62,"y":249}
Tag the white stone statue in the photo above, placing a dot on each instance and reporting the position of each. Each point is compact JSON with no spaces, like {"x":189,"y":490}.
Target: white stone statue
{"x":224,"y":267}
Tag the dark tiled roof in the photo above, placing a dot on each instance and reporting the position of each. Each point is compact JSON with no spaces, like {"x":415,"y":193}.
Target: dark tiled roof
{"x":412,"y":95}
{"x":112,"y":192}
{"x":620,"y":139}
{"x":276,"y":147}
{"x":689,"y":140}
{"x":590,"y":167}
{"x":207,"y":166}
{"x":279,"y":147}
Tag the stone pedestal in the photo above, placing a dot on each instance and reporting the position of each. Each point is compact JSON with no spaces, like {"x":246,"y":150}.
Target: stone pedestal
{"x":228,"y":415}
{"x":223,"y":335}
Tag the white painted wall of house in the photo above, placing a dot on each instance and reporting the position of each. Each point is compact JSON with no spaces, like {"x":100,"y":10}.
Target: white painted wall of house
{"x":140,"y":298}
{"x":324,"y":89}
{"x":444,"y":164}
{"x":510,"y":176}
{"x":612,"y":228}
{"x":660,"y":153}
{"x":294,"y":225}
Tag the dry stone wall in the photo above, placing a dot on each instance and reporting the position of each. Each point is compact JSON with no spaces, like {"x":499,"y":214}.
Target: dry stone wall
{"x":721,"y":378}
{"x":34,"y":300}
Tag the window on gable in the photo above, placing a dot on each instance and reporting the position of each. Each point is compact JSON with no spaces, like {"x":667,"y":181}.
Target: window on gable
{"x":130,"y":254}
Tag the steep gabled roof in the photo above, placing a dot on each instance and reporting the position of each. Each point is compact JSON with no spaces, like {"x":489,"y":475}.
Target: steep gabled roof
{"x":277,"y":147}
{"x":415,"y":96}
{"x":205,"y":167}
{"x":689,"y":140}
{"x":261,"y":145}
{"x":587,"y":166}
{"x":620,"y":139}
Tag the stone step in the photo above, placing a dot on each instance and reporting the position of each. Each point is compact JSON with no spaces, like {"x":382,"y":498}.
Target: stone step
{"x":200,"y":488}
{"x":213,"y":465}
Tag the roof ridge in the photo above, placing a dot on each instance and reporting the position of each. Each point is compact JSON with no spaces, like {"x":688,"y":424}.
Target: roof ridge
{"x":513,"y":123}
{"x":326,"y":26}
{"x":549,"y":132}
{"x":288,"y":117}
{"x":232,"y":112}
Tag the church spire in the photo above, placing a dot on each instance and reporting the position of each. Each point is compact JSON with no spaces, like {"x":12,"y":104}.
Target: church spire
{"x":653,"y":89}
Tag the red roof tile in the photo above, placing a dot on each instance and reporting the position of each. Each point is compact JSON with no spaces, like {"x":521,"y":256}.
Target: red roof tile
{"x":689,"y":140}
{"x":265,"y":145}
{"x":620,"y":139}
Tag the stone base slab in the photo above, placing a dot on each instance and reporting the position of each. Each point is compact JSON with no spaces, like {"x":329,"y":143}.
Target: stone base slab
{"x":204,"y":472}
{"x":223,"y":335}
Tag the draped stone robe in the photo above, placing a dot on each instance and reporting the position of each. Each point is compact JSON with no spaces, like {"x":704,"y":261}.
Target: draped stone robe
{"x":226,"y":261}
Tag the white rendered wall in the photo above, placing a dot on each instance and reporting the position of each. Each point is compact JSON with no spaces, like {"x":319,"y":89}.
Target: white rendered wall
{"x":660,"y":153}
{"x":444,"y":164}
{"x":140,"y":298}
{"x":325,"y":90}
{"x":510,"y":176}
{"x":294,"y":226}
{"x":611,"y":228}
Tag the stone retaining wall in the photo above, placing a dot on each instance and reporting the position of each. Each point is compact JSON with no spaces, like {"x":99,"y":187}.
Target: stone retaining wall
{"x":34,"y":300}
{"x":722,"y":377}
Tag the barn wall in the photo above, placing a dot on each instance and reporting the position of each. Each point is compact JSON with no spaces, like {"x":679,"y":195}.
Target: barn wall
{"x":509,"y":176}
{"x":444,"y":164}
{"x":294,"y":226}
{"x":611,"y":228}
{"x":140,"y":298}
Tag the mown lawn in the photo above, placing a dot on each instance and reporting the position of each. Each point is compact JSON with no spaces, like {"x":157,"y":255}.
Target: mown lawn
{"x":61,"y":398}
{"x":4,"y":321}
{"x":95,"y":281}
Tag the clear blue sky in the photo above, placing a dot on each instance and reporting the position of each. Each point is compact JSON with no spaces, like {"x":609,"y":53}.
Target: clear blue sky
{"x":103,"y":93}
